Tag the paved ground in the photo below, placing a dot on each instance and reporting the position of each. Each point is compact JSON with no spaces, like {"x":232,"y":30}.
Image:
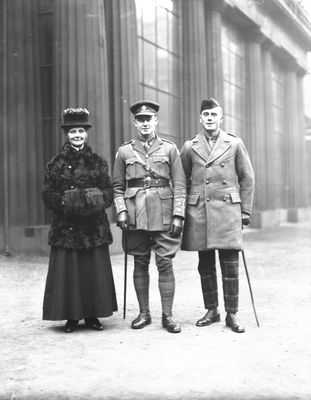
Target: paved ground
{"x":39,"y":361}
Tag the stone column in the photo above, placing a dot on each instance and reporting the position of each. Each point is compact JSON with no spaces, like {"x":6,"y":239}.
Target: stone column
{"x":213,"y":21}
{"x":269,"y":129}
{"x":81,"y":71}
{"x":302,"y":139}
{"x":194,"y":64}
{"x":123,"y":64}
{"x":295,"y":135}
{"x":255,"y":117}
{"x":21,"y":144}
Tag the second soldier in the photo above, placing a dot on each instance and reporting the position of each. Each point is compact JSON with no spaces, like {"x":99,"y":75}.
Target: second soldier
{"x":149,"y":194}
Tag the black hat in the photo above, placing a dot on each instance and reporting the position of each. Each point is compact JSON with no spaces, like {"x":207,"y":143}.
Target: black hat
{"x":75,"y":117}
{"x":208,"y":104}
{"x":144,"y":107}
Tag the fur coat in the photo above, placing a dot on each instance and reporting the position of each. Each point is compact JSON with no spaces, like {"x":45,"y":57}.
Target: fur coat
{"x":77,"y":189}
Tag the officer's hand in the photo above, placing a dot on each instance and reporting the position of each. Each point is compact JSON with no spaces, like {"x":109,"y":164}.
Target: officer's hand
{"x":122,"y":220}
{"x":176,"y":227}
{"x":246,"y":219}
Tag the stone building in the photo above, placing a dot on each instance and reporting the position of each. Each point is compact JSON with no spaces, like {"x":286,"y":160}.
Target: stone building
{"x":106,"y":54}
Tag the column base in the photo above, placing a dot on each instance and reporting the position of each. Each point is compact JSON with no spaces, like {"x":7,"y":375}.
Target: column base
{"x":268,"y":218}
{"x":34,"y":240}
{"x":298,"y":214}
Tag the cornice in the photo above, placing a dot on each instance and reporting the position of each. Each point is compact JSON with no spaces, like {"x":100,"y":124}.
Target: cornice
{"x":280,"y":10}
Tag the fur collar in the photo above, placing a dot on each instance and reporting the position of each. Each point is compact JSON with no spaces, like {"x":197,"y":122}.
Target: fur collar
{"x":70,"y":153}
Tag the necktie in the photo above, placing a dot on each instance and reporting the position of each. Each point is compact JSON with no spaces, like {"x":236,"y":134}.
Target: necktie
{"x":147,"y":144}
{"x":211,"y":141}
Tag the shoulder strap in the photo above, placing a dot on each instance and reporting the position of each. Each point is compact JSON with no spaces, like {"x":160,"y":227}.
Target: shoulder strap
{"x":147,"y":167}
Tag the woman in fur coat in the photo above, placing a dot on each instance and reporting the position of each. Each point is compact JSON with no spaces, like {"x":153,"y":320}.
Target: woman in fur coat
{"x":77,"y":190}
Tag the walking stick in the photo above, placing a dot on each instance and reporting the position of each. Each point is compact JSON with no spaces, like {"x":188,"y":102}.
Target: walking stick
{"x":125,"y":272}
{"x":250,"y":287}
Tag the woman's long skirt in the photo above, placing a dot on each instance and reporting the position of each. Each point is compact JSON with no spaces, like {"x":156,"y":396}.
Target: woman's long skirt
{"x":79,"y":284}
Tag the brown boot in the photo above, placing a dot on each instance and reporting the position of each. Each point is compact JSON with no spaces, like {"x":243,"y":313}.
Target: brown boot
{"x":211,"y":316}
{"x":233,"y":323}
{"x":170,"y":324}
{"x":143,"y":319}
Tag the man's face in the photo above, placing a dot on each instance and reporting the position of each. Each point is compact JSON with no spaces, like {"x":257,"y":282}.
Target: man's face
{"x":146,"y":124}
{"x":77,"y":136}
{"x":211,"y":119}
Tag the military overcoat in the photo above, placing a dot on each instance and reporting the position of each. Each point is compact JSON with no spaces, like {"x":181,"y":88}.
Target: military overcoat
{"x":220,"y":185}
{"x":149,"y":208}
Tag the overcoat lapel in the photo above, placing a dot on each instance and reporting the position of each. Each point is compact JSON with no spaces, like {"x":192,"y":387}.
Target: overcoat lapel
{"x":221,"y":146}
{"x":200,"y":146}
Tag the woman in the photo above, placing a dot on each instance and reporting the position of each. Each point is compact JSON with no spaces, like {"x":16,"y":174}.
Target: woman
{"x":77,"y":189}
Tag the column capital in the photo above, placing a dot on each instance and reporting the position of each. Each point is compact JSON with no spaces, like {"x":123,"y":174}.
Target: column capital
{"x":216,"y":5}
{"x":254,"y":34}
{"x":289,"y":62}
{"x":270,"y":46}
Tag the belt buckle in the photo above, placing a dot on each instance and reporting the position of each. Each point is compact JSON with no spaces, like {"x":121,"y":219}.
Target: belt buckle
{"x":147,"y":182}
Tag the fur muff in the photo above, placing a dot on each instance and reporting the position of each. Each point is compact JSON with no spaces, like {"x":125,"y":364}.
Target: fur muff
{"x":83,"y":203}
{"x":77,"y":189}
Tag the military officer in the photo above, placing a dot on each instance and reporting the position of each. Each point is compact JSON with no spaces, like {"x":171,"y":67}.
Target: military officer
{"x":149,"y":195}
{"x":220,"y":185}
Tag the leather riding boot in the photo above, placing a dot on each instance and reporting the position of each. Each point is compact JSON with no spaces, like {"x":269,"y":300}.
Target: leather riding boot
{"x":143,"y":319}
{"x":170,"y":324}
{"x":233,"y":323}
{"x":211,"y":316}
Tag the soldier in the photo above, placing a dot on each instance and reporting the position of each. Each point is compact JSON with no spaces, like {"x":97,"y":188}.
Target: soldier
{"x":220,"y":185}
{"x":149,"y":195}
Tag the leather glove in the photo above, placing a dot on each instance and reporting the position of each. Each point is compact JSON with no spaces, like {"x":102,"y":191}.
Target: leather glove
{"x":246,"y":219}
{"x":122,"y":220}
{"x":176,"y":227}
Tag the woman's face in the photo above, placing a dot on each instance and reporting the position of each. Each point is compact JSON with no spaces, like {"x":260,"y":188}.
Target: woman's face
{"x":77,"y":136}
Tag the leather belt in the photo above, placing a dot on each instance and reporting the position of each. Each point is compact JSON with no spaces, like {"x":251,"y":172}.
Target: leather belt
{"x":148,"y":182}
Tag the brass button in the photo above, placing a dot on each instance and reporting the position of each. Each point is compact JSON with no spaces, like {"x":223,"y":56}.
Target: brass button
{"x":224,"y":182}
{"x":222,"y":164}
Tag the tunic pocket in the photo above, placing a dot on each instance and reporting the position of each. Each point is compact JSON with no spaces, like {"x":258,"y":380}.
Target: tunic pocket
{"x":133,"y":168}
{"x":166,"y":197}
{"x":130,"y":201}
{"x":162,"y":165}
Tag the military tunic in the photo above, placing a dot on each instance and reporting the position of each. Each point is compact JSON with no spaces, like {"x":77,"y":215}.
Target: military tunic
{"x":149,"y":208}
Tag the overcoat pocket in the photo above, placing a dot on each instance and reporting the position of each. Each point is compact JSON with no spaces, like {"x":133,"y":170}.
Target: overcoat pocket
{"x":235,"y":198}
{"x":192,"y":199}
